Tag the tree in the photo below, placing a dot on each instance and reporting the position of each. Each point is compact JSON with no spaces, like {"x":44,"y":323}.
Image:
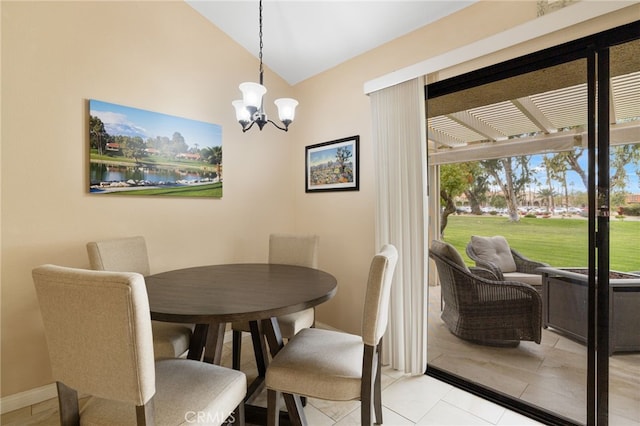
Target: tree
{"x":498,"y":201}
{"x":571,"y":158}
{"x":98,"y":136}
{"x":178,"y":144}
{"x":503,"y":171}
{"x":343,"y":154}
{"x":557,"y":170}
{"x":476,"y":193}
{"x":548,"y":194}
{"x":454,"y":179}
{"x":132,"y":147}
{"x":213,"y":154}
{"x":620,"y":157}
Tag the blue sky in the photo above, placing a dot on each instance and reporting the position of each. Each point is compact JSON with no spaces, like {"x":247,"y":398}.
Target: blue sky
{"x":123,"y":120}
{"x":324,"y":154}
{"x":573,"y":179}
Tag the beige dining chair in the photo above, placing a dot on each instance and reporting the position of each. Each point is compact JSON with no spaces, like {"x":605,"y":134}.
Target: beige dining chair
{"x":170,"y":340}
{"x":98,"y":331}
{"x":284,"y":249}
{"x":333,"y":365}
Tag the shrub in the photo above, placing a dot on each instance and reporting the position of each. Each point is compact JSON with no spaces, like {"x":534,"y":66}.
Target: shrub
{"x":633,"y":210}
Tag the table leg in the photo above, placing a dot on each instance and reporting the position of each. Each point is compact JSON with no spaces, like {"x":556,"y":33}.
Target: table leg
{"x":261,"y":356}
{"x":271,"y":330}
{"x":213,"y":344}
{"x":196,"y":345}
{"x":259,"y":347}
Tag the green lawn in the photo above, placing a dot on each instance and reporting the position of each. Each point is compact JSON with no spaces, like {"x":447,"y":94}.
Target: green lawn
{"x":558,"y":242}
{"x":204,"y":190}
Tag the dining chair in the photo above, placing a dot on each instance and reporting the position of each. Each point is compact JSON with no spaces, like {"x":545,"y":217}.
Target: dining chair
{"x":336,"y":366}
{"x":170,"y":340}
{"x":98,"y":330}
{"x":284,"y":249}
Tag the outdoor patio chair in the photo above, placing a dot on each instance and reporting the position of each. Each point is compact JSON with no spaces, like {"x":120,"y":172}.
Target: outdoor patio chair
{"x":481,"y":310}
{"x":494,"y":254}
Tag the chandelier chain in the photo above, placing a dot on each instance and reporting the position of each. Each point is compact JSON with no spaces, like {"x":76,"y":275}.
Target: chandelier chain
{"x":250,"y":109}
{"x":261,"y":45}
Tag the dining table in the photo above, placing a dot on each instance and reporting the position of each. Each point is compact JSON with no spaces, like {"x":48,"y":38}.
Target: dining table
{"x":212,"y":296}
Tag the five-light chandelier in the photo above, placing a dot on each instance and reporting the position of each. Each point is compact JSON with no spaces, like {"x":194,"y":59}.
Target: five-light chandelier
{"x":250,"y":109}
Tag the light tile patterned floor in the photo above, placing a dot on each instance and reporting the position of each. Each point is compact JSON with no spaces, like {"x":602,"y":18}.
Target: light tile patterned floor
{"x":407,"y":400}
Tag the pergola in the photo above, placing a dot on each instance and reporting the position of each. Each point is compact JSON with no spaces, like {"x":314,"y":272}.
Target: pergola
{"x":534,"y":113}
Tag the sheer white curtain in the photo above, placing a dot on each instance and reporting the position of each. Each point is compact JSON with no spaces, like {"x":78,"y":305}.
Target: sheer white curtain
{"x":399,"y":141}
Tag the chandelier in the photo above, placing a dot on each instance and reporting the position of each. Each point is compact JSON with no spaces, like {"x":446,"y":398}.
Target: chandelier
{"x":250,"y":109}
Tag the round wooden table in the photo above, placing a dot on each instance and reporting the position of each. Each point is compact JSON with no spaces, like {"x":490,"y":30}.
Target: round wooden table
{"x":211,"y":296}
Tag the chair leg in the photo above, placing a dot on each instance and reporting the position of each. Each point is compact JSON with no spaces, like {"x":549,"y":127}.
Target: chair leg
{"x":145,"y":414}
{"x":377,"y":385}
{"x":367,"y":385}
{"x":68,"y":405}
{"x":295,"y":410}
{"x":237,"y":417}
{"x":273,"y":407}
{"x":236,"y":349}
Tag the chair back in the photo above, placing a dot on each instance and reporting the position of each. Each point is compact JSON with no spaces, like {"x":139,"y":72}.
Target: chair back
{"x":98,"y":330}
{"x":119,"y":255}
{"x":376,"y":302}
{"x":298,"y":250}
{"x":457,"y":282}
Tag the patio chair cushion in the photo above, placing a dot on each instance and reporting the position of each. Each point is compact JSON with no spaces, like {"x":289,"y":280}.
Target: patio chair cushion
{"x":534,"y":280}
{"x":495,"y":250}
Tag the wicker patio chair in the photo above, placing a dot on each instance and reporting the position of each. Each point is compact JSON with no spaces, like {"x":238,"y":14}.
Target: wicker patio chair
{"x":495,"y":254}
{"x":481,"y":310}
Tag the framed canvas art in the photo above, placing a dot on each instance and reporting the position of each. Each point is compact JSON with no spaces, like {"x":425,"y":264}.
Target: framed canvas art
{"x":333,"y":165}
{"x":138,"y":152}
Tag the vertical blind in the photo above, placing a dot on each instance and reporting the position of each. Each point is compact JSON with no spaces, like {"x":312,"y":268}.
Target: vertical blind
{"x":399,"y":143}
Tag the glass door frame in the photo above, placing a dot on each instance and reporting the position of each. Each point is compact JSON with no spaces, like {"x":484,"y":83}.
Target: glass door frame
{"x":595,"y":49}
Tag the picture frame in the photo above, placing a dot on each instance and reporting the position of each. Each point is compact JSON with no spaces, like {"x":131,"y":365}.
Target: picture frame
{"x":333,"y":165}
{"x":136,"y":152}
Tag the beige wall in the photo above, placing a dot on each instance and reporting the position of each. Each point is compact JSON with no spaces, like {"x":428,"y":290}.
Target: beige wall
{"x":163,"y":56}
{"x":159,"y":56}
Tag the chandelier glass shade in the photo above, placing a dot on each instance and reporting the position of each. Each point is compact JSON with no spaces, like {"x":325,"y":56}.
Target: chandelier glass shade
{"x":250,"y":109}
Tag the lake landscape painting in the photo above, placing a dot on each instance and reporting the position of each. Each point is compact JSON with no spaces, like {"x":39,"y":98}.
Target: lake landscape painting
{"x":139,"y":152}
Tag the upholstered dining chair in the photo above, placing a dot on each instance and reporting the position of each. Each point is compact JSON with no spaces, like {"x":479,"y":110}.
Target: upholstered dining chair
{"x":284,"y":249}
{"x":170,"y":340}
{"x":98,"y":331}
{"x":333,"y":365}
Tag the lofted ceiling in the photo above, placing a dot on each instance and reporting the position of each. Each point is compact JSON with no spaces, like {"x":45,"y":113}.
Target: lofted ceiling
{"x":304,"y":37}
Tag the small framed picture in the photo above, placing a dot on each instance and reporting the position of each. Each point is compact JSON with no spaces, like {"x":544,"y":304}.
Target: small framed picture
{"x":333,"y":165}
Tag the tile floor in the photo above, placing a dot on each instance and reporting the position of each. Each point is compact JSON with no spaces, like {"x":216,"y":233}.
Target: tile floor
{"x":407,"y":400}
{"x":552,"y":374}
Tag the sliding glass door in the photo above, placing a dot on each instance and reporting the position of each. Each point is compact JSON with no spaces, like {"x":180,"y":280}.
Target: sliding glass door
{"x":542,"y":151}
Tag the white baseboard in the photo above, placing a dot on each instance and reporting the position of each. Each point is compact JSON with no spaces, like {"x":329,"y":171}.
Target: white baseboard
{"x":27,"y":398}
